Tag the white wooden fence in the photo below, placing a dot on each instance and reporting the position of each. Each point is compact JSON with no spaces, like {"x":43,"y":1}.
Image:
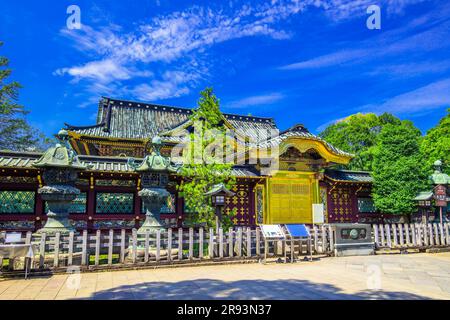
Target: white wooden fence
{"x":112,"y":247}
{"x":411,"y":235}
{"x":109,"y":248}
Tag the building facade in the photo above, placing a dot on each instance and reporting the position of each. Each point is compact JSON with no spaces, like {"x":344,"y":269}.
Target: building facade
{"x":263,"y":193}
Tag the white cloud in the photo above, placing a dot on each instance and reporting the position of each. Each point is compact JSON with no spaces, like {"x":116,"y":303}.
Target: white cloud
{"x":332,"y":59}
{"x":424,"y":99}
{"x":182,"y":38}
{"x":172,"y":84}
{"x":256,"y":100}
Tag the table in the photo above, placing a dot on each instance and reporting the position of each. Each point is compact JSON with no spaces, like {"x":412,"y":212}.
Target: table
{"x":12,"y":251}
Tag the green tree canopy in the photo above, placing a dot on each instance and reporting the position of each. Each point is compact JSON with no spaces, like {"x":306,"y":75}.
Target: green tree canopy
{"x":397,"y":170}
{"x":436,"y":145}
{"x":15,"y":132}
{"x":199,"y":173}
{"x":358,"y":135}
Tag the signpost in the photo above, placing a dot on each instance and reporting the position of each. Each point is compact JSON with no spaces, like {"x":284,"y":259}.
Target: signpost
{"x":440,"y":196}
{"x":271,"y":232}
{"x":300,"y":232}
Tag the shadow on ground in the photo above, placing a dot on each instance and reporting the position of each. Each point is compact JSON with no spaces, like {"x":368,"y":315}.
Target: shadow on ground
{"x":207,"y":289}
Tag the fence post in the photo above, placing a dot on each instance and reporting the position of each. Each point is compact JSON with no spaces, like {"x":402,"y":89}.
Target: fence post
{"x":28,"y":237}
{"x":220,"y":243}
{"x":383,"y":238}
{"x":424,"y":232}
{"x":388,"y":235}
{"x":211,"y":243}
{"x":191,"y":243}
{"x":97,"y":247}
{"x":169,"y":244}
{"x":42,"y":250}
{"x":395,"y":234}
{"x":158,"y":245}
{"x":430,"y":233}
{"x":110,"y":246}
{"x":70,"y":253}
{"x":324,"y":239}
{"x":180,"y":244}
{"x":239,"y":240}
{"x":134,"y":245}
{"x":331,"y":233}
{"x":447,"y":235}
{"x":56,"y":254}
{"x":400,"y":233}
{"x":200,"y":243}
{"x":123,"y":237}
{"x":436,"y":234}
{"x":230,"y":243}
{"x":375,"y":235}
{"x":419,"y":234}
{"x":249,"y":243}
{"x":408,"y":242}
{"x":441,"y":230}
{"x":84,"y":245}
{"x":316,"y":239}
{"x":147,"y":245}
{"x":258,"y":240}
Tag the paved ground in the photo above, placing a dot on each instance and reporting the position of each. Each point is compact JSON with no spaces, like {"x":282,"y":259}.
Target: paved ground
{"x":411,"y":276}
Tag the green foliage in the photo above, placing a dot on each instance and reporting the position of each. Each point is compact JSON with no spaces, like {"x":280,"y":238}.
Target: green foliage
{"x":15,"y":132}
{"x":397,"y":172}
{"x":358,"y":135}
{"x":199,"y":173}
{"x":436,"y":145}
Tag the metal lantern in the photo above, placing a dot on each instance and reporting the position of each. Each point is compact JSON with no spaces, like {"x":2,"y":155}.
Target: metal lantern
{"x":218,"y":194}
{"x":61,"y":166}
{"x":154,"y":170}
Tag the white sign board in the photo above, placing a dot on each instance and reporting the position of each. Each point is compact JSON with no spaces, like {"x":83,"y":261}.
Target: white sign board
{"x":272,"y":231}
{"x":13,"y":237}
{"x":318,"y":213}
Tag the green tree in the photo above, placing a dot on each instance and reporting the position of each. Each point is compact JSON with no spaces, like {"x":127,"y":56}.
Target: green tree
{"x":397,"y":169}
{"x":358,"y":135}
{"x":436,"y":145}
{"x":15,"y":132}
{"x":200,"y":173}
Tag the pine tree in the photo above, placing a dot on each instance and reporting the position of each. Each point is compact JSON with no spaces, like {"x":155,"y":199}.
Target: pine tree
{"x":199,"y":174}
{"x":15,"y":132}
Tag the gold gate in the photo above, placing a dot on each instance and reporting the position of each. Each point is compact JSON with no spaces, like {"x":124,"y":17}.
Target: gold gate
{"x":290,"y":200}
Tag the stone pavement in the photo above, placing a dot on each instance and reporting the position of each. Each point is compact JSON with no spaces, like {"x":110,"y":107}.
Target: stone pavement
{"x":410,"y":276}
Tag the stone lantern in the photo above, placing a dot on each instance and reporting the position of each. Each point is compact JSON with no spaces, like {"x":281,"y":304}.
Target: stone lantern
{"x":60,"y":165}
{"x":154,"y":170}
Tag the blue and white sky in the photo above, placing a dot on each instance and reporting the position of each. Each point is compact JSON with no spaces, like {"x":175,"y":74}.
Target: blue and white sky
{"x":311,"y":62}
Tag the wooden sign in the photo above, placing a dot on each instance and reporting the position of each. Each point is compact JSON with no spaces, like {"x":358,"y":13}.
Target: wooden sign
{"x":440,"y":195}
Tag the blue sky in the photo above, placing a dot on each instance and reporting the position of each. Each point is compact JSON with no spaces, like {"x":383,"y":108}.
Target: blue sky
{"x":312,"y":62}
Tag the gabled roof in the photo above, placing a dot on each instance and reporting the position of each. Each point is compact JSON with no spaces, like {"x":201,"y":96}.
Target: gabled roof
{"x":348,"y":176}
{"x":139,"y":120}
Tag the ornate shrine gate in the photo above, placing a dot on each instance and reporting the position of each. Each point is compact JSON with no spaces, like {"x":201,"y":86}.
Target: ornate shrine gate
{"x":291,"y":197}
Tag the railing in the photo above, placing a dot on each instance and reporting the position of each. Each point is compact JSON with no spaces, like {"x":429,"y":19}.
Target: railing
{"x":411,"y":235}
{"x":116,"y":248}
{"x":112,"y":248}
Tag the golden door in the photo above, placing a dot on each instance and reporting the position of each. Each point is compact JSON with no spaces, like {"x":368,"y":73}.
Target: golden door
{"x":290,"y":201}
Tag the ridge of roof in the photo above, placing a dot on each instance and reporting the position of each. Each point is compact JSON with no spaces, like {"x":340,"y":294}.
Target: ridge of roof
{"x":348,"y":171}
{"x":142,"y":104}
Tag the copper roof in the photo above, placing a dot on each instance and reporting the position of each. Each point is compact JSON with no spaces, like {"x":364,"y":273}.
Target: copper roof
{"x":139,"y":120}
{"x":348,"y":176}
